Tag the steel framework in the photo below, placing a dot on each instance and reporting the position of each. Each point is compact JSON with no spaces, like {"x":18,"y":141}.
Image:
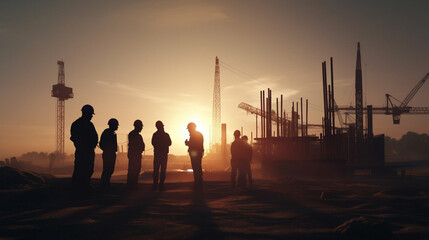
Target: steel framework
{"x":392,"y":109}
{"x":254,"y":110}
{"x":62,"y":93}
{"x":359,"y":101}
{"x":216,"y":127}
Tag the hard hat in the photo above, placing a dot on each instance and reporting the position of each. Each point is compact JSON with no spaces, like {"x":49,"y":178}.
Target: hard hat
{"x":237,"y":133}
{"x":159,"y":124}
{"x":138,"y":123}
{"x":113,"y":121}
{"x":245,"y":138}
{"x":88,"y":109}
{"x":191,"y":125}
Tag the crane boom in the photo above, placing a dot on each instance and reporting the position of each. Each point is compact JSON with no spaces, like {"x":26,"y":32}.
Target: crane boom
{"x":414,"y":91}
{"x":253,"y":110}
{"x":393,"y":109}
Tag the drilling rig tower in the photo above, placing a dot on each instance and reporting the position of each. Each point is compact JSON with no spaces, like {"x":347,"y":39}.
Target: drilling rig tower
{"x":62,"y":93}
{"x":216,"y":130}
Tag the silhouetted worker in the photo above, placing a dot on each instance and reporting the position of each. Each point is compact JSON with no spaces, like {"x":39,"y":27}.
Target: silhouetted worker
{"x":85,"y":139}
{"x":135,"y":148}
{"x":237,"y":159}
{"x":248,"y":154}
{"x":109,"y":145}
{"x":196,"y":151}
{"x":161,"y":142}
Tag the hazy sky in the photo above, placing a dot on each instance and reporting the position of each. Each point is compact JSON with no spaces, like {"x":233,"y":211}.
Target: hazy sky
{"x":154,"y":60}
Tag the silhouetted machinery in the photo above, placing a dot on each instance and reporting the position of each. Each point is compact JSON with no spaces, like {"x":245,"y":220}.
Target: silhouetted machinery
{"x":403,"y":108}
{"x":62,"y":93}
{"x":396,"y":110}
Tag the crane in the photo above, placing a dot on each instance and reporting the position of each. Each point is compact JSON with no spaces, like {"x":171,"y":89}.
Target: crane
{"x":254,"y":110}
{"x":396,"y":111}
{"x":393,"y":109}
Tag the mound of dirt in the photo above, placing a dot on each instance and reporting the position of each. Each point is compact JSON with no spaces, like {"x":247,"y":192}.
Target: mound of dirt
{"x":12,"y":178}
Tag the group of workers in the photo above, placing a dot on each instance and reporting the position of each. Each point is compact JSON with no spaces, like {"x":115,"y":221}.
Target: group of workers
{"x":241,"y":158}
{"x":85,"y":139}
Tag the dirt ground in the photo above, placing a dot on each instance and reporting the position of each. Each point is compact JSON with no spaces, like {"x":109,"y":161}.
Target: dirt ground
{"x":285,"y":208}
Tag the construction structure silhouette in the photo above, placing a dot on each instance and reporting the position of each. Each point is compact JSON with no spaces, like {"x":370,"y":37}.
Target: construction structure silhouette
{"x":216,"y":127}
{"x":62,"y":93}
{"x":391,"y":108}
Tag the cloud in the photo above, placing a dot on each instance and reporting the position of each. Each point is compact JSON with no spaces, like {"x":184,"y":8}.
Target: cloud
{"x":131,"y":91}
{"x":171,"y":103}
{"x":185,"y":95}
{"x":337,"y":83}
{"x":343,"y":83}
{"x":170,"y":14}
{"x":253,"y":86}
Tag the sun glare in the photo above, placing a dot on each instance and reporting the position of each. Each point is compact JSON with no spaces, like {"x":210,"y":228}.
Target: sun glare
{"x":202,"y":126}
{"x":179,"y":133}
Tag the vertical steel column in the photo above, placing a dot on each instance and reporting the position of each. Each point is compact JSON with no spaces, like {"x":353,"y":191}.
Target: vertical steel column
{"x":329,"y":111}
{"x":256,"y":135}
{"x":302,"y":120}
{"x":306,"y":117}
{"x":292,"y":128}
{"x":278,"y":120}
{"x":333,"y":99}
{"x":370,"y":125}
{"x":281,"y":118}
{"x":297,"y":122}
{"x":358,"y":95}
{"x":223,"y":144}
{"x":325,"y":98}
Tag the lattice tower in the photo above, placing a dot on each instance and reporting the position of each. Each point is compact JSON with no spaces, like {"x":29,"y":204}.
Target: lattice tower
{"x":359,"y":101}
{"x":216,"y":126}
{"x":62,"y":93}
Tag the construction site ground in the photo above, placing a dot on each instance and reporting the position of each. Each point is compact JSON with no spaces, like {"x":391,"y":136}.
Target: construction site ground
{"x":290,"y":207}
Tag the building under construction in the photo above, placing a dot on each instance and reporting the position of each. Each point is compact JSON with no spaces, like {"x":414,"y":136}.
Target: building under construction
{"x":337,"y":149}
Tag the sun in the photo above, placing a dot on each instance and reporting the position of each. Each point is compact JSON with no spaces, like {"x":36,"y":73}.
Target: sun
{"x":176,"y":127}
{"x":202,"y":127}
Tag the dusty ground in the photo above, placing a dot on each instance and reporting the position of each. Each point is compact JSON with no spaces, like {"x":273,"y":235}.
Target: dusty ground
{"x":287,"y":208}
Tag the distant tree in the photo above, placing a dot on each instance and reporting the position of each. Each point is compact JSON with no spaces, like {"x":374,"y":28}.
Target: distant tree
{"x":390,"y":146}
{"x":411,"y":147}
{"x":34,"y":156}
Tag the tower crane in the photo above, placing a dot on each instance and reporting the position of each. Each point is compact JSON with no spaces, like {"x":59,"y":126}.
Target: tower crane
{"x":396,"y":111}
{"x":393,"y":109}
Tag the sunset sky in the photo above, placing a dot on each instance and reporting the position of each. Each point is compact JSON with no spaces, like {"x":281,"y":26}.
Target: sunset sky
{"x":154,"y":60}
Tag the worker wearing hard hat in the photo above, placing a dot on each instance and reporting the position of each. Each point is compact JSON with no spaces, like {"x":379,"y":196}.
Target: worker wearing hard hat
{"x":135,"y":148}
{"x":109,"y":145}
{"x":85,"y":139}
{"x":237,"y":159}
{"x":196,"y":151}
{"x":161,"y":142}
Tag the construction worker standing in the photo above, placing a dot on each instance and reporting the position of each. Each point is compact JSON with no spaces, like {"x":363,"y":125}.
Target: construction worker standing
{"x":109,"y":145}
{"x":85,"y":139}
{"x":135,"y":149}
{"x":237,"y":158}
{"x":161,"y":142}
{"x":196,"y":151}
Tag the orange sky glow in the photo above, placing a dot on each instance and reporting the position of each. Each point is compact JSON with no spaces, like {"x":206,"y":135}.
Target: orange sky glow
{"x":155,"y":60}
